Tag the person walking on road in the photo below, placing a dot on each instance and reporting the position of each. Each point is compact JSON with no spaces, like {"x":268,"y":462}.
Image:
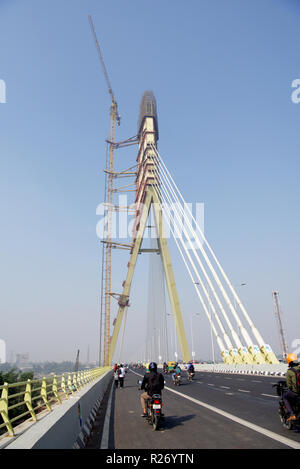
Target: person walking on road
{"x":122,"y":375}
{"x":116,"y":376}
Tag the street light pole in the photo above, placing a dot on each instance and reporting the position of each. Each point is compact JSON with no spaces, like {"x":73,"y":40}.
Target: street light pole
{"x":192,"y":336}
{"x":212,"y":338}
{"x":235,"y":306}
{"x":171,"y":338}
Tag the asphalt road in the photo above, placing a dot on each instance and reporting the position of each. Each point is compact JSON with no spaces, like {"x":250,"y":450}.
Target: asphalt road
{"x":215,"y":411}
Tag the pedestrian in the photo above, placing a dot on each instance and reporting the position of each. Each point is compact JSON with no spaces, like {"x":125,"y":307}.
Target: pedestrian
{"x":122,"y":376}
{"x":116,"y":376}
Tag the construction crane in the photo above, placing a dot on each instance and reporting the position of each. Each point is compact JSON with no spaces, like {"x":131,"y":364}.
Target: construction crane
{"x":76,"y":367}
{"x":278,"y":315}
{"x":105,"y":318}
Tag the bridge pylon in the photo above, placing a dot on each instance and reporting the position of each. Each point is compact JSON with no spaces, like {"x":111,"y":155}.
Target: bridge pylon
{"x":147,"y":197}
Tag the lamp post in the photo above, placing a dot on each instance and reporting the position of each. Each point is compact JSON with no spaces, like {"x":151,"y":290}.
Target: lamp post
{"x":235,"y":305}
{"x":171,"y":340}
{"x":192,"y":334}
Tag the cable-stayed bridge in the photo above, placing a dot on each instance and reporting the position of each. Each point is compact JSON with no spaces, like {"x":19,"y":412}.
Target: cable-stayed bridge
{"x":157,"y":191}
{"x":228,"y":405}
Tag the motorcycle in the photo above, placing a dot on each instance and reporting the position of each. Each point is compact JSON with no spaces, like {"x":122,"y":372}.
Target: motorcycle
{"x":283,"y":414}
{"x":177,"y":379}
{"x":153,"y":409}
{"x":191,"y":375}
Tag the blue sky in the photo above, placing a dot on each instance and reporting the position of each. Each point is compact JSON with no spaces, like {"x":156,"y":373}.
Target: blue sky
{"x":221,"y":72}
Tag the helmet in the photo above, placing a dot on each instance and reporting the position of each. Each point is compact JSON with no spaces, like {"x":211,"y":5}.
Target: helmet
{"x":292,"y":357}
{"x":152,"y":366}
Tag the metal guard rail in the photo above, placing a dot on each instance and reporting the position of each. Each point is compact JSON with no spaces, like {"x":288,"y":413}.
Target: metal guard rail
{"x":43,"y":392}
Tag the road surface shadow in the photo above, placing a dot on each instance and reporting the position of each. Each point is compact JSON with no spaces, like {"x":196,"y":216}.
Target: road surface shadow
{"x":172,"y":421}
{"x":128,"y":386}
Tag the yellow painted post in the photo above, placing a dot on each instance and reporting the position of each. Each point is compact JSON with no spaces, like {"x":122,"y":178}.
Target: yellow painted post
{"x":63,"y":386}
{"x":55,"y":389}
{"x":74,"y":383}
{"x":4,"y":409}
{"x":44,"y":393}
{"x":78,"y":378}
{"x":70,"y":384}
{"x":28,"y":400}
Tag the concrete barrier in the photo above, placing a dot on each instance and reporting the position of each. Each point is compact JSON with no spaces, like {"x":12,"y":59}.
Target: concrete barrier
{"x":68,"y":425}
{"x":262,"y":370}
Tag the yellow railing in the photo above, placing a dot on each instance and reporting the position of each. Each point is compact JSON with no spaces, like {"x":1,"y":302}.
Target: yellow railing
{"x":36,"y":394}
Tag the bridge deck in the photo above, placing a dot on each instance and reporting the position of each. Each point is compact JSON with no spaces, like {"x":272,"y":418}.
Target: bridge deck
{"x":190,"y":425}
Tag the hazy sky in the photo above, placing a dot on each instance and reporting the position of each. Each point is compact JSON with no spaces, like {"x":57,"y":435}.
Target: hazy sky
{"x":221,"y":72}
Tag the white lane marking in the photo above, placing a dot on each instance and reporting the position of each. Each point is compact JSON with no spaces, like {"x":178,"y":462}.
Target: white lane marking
{"x":245,"y":423}
{"x":243,"y":390}
{"x":224,"y":387}
{"x":209,"y":384}
{"x":240,"y":379}
{"x":269,"y":395}
{"x":255,"y":381}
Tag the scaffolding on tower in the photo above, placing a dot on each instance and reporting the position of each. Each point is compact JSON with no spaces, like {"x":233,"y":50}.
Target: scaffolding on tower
{"x":105,"y":311}
{"x":108,"y":243}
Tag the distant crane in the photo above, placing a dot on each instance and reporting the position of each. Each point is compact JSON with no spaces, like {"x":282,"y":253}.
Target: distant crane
{"x":76,"y":367}
{"x":278,"y":315}
{"x":107,"y":243}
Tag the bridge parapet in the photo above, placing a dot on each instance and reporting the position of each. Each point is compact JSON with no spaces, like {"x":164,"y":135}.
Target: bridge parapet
{"x":67,"y":402}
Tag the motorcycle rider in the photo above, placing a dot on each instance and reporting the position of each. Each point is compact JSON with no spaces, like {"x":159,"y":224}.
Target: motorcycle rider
{"x":153,"y":383}
{"x":291,"y":393}
{"x":165,"y":367}
{"x":176,"y":371}
{"x":190,"y":368}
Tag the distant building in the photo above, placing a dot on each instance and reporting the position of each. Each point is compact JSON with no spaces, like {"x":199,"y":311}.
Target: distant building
{"x":22,"y":360}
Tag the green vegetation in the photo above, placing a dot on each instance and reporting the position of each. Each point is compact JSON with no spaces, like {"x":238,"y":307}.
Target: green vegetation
{"x":15,"y":376}
{"x":11,"y":375}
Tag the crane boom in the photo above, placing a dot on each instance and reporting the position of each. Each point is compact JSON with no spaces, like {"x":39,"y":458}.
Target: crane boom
{"x":76,"y":367}
{"x":104,"y":69}
{"x":283,"y":344}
